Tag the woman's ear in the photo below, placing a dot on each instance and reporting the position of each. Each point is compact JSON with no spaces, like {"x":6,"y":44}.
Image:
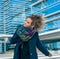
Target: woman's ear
{"x":32,"y":26}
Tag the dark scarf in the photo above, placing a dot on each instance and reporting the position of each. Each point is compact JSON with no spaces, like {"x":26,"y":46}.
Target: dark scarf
{"x":25,"y":33}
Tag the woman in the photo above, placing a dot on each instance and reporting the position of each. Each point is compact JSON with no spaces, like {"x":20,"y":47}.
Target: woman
{"x":27,"y":39}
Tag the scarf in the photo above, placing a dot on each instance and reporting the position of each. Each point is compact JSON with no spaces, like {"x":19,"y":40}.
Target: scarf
{"x":25,"y":33}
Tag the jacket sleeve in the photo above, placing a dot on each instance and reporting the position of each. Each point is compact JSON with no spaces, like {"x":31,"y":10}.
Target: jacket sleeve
{"x":41,"y":47}
{"x":14,"y":38}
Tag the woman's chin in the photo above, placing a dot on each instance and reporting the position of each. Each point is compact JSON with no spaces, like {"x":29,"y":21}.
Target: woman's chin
{"x":24,"y":25}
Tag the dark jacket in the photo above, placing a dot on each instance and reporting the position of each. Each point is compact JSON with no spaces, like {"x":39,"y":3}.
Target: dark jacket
{"x":33,"y":43}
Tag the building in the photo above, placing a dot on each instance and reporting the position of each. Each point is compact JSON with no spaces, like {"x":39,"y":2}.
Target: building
{"x":14,"y":12}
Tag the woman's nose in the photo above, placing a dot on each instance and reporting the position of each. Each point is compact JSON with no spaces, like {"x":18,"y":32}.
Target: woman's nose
{"x":25,"y":22}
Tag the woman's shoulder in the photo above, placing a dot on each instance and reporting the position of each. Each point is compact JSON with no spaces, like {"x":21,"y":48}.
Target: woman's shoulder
{"x":18,"y":26}
{"x":36,"y":33}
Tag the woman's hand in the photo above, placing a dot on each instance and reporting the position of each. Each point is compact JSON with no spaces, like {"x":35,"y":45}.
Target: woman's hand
{"x":50,"y":55}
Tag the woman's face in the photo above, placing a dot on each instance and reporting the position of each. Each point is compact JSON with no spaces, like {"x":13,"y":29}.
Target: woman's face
{"x":27,"y":22}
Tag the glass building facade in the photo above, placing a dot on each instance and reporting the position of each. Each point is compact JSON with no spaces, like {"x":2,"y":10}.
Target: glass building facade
{"x":14,"y":12}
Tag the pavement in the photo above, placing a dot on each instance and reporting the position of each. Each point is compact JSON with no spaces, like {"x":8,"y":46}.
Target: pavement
{"x":9,"y":55}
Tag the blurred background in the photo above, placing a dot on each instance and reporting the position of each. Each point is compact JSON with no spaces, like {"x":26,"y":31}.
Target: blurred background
{"x":14,"y":12}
